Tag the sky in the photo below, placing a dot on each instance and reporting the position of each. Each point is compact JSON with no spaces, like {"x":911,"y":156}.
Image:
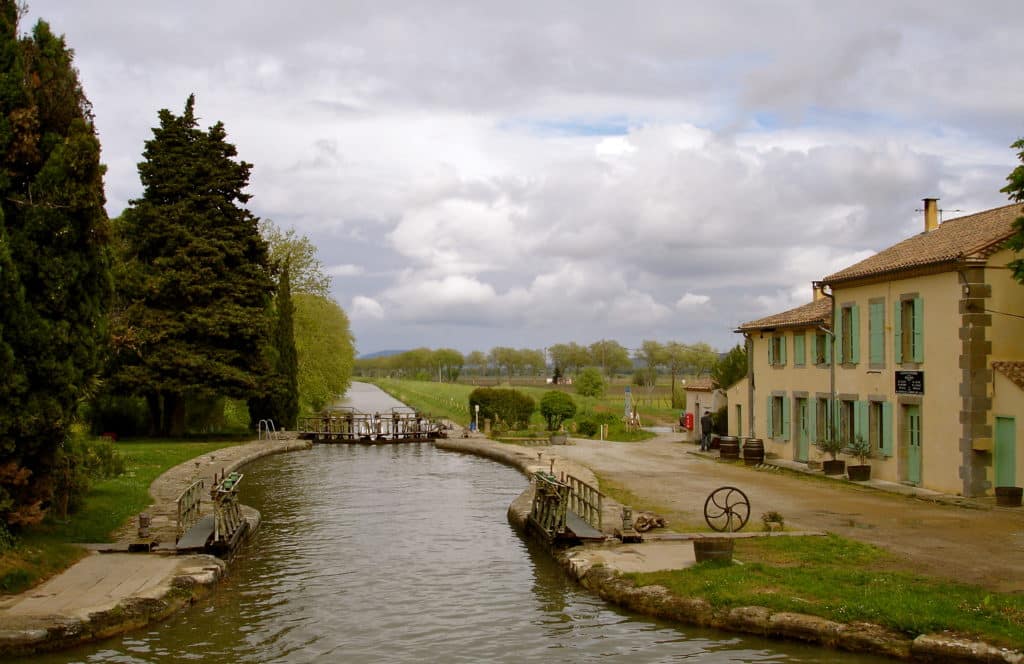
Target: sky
{"x":479,"y":174}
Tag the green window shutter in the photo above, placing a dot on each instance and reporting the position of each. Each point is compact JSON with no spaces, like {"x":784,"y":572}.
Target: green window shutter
{"x":812,"y":429}
{"x":785,"y":418}
{"x":897,"y":332}
{"x":855,"y":334}
{"x":828,"y":349}
{"x":887,"y":428}
{"x":799,"y":357}
{"x":768,"y":425}
{"x":771,"y":351}
{"x":782,"y":349}
{"x":918,"y":329}
{"x":876,"y":333}
{"x":837,"y":338}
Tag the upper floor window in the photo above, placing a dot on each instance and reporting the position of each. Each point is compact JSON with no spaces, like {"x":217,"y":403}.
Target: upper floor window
{"x":876,"y":333}
{"x":777,"y":350}
{"x":908,"y":330}
{"x":799,"y":351}
{"x":849,"y":334}
{"x":822,"y":348}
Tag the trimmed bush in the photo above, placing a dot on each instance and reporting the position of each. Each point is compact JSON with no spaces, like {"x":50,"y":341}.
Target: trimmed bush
{"x":590,"y":383}
{"x":511,"y":407}
{"x":556,"y":407}
{"x":587,"y":427}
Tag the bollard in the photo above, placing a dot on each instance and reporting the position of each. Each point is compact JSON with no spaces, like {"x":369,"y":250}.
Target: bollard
{"x":144,"y":522}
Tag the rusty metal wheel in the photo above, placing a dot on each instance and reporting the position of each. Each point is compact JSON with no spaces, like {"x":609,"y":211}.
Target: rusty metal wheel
{"x":727,"y":509}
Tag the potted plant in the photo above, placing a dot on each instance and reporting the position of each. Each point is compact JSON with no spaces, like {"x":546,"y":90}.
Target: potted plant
{"x":832,"y":447}
{"x":861,"y":449}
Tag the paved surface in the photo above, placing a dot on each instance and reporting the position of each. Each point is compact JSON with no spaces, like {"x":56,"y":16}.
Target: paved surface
{"x":974,"y":542}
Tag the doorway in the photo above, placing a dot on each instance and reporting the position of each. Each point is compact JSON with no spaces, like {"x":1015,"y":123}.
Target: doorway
{"x":912,"y":443}
{"x":1006,"y":451}
{"x":803,"y":433}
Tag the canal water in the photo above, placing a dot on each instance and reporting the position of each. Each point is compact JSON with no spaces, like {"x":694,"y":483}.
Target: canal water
{"x":403,"y":553}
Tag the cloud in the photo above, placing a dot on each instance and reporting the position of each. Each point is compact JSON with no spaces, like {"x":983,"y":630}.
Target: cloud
{"x":345,"y":270}
{"x":692,"y":301}
{"x":366,"y":308}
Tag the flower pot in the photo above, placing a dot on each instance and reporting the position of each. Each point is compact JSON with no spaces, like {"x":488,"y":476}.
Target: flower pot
{"x":559,"y":438}
{"x":713,"y":548}
{"x":1009,"y":496}
{"x":834,"y":466}
{"x":859,"y":473}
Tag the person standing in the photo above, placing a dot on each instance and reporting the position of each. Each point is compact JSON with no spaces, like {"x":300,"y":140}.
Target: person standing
{"x":705,"y":431}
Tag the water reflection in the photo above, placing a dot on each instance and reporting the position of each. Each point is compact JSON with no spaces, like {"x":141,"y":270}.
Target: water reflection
{"x":402,"y":553}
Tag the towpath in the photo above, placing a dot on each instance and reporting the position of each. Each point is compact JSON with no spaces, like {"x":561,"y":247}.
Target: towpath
{"x":973,"y":542}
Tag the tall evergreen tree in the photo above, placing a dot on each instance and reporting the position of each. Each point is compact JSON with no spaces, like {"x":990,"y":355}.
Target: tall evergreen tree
{"x":197,"y":283}
{"x":279,"y":399}
{"x":54,"y":269}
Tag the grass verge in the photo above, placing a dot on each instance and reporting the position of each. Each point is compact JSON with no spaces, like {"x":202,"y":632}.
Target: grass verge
{"x":838,"y":579}
{"x":50,"y":547}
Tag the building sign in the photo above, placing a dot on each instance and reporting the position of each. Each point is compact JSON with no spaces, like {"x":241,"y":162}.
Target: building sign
{"x":909,"y":382}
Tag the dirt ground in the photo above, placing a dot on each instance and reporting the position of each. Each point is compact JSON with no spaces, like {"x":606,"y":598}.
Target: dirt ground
{"x":978,"y":546}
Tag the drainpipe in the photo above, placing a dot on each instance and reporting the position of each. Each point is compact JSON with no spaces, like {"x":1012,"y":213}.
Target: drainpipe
{"x":748,"y":344}
{"x":832,"y":368}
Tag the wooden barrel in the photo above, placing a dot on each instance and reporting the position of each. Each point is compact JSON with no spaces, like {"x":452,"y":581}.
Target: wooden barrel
{"x":729,"y":447}
{"x":1009,"y":496}
{"x":713,"y":548}
{"x":753,"y":451}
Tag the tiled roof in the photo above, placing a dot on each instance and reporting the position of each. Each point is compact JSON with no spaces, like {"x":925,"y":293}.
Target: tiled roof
{"x":702,"y":384}
{"x":1012,"y":370}
{"x":818,"y":312}
{"x":951,"y":241}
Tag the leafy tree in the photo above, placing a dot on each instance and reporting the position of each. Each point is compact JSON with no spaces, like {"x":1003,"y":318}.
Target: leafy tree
{"x":325,"y":349}
{"x":652,"y":354}
{"x":280,"y":399}
{"x":449,"y":364}
{"x":590,"y":383}
{"x":556,"y":407}
{"x":611,"y":356}
{"x":54,"y":270}
{"x":1015,"y":191}
{"x":307,"y":272}
{"x":700,"y":358}
{"x":505,"y":358}
{"x":731,"y":368}
{"x":478,"y":360}
{"x":198,"y":282}
{"x":675,"y":356}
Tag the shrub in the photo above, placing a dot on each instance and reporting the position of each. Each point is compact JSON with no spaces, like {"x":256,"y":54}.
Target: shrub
{"x":590,"y":383}
{"x":81,"y":459}
{"x":587,"y":427}
{"x":512,"y":407}
{"x":720,"y":421}
{"x":556,"y":407}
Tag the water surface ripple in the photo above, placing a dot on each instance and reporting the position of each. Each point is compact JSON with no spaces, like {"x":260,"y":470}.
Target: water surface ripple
{"x":402,"y":553}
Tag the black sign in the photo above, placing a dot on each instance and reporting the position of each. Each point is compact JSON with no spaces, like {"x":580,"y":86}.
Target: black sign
{"x":909,"y":382}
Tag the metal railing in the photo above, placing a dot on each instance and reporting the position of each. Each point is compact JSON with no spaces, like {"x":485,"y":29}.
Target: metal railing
{"x":189,"y":503}
{"x":550,"y":501}
{"x":586,"y":501}
{"x":268,"y":427}
{"x":226,"y":510}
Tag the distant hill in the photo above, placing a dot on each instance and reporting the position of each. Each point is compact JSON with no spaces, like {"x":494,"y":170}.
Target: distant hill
{"x":380,"y":353}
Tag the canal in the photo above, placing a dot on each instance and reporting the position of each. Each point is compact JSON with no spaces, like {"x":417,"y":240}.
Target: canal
{"x":402,"y":553}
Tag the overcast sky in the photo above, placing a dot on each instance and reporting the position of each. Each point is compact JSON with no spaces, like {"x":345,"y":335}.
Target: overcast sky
{"x":523,"y":173}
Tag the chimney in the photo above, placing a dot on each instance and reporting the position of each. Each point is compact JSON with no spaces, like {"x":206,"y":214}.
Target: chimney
{"x":816,"y":290}
{"x":931,"y":214}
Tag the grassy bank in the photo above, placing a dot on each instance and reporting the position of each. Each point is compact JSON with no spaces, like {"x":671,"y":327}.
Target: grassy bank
{"x":451,"y":400}
{"x":51,"y":547}
{"x":846,"y":581}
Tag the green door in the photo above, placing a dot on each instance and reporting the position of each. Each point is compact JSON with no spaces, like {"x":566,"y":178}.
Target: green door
{"x":912,"y":438}
{"x":803,"y":436}
{"x":1006,"y":451}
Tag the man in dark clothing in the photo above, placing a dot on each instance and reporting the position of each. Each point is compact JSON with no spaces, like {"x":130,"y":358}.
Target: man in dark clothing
{"x":705,"y":431}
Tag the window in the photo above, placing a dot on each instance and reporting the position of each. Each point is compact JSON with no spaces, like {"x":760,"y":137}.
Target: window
{"x":876,"y":333}
{"x":778,"y":417}
{"x":847,"y":417}
{"x":739,"y":420}
{"x":821,"y":419}
{"x":777,"y":350}
{"x":849,"y":334}
{"x":908,"y":330}
{"x":822,"y":348}
{"x":799,"y":354}
{"x":880,"y":427}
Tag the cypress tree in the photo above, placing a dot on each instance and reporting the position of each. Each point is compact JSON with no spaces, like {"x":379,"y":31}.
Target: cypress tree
{"x":197,"y":281}
{"x":278,"y":400}
{"x":54,"y":268}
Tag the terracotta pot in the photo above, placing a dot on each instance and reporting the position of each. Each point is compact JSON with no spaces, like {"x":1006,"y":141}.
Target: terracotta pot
{"x":859,"y":473}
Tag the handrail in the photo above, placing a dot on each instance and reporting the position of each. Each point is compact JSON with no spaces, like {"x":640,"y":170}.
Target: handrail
{"x":188,"y":504}
{"x":268,"y":426}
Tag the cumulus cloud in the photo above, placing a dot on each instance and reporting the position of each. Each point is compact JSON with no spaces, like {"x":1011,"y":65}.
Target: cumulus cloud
{"x":496,"y":175}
